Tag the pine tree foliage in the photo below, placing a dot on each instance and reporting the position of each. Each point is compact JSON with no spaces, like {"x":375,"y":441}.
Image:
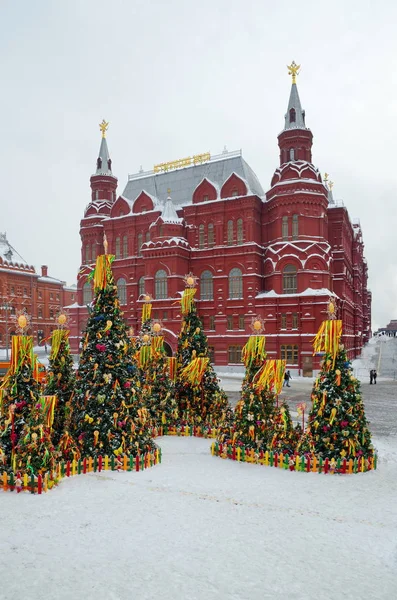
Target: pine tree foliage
{"x":158,"y":389}
{"x":337,"y":425}
{"x":206,"y":402}
{"x":108,"y":415}
{"x":19,"y":412}
{"x":61,"y":382}
{"x":35,"y":451}
{"x":259,"y":422}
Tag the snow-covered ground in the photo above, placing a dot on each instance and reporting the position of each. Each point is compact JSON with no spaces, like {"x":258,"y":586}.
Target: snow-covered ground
{"x":201,"y":528}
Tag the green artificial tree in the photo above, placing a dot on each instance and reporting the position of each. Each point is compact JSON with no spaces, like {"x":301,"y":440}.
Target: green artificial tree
{"x":201,"y":401}
{"x":35,"y":452}
{"x":108,"y":415}
{"x":61,"y":380}
{"x":157,"y":384}
{"x":20,"y":406}
{"x":337,"y":426}
{"x":259,"y":422}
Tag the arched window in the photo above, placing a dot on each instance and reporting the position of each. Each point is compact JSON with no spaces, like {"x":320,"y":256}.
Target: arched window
{"x":295,"y":227}
{"x":284,"y":232}
{"x":201,"y":236}
{"x":292,"y":115}
{"x":87,"y":293}
{"x":141,"y":286}
{"x":118,"y":249}
{"x":122,"y":291}
{"x":148,"y":236}
{"x":240,"y":235}
{"x":289,"y":280}
{"x":160,"y":285}
{"x":140,"y":242}
{"x":206,"y":286}
{"x":161,"y":230}
{"x":292,"y":154}
{"x":230,"y":233}
{"x":88,"y":254}
{"x":93,"y":252}
{"x":211,"y":235}
{"x":125,"y":246}
{"x":235,"y":283}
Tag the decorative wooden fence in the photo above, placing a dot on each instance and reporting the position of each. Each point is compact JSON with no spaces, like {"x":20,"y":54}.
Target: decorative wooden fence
{"x":310,"y":464}
{"x":43,"y":482}
{"x":185,"y":430}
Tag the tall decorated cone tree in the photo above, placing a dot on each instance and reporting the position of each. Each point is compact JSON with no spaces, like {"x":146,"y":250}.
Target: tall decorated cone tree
{"x":259,"y":422}
{"x":108,"y":415}
{"x":19,"y":398}
{"x":61,"y":379}
{"x":156,"y":377}
{"x":337,"y":427}
{"x":201,"y":401}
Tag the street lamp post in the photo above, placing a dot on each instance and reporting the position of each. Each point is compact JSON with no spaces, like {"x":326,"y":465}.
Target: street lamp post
{"x":6,"y":305}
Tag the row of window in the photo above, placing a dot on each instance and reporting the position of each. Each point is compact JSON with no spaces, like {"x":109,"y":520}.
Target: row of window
{"x":52,"y":313}
{"x":235,"y":234}
{"x":288,"y":352}
{"x":161,"y":286}
{"x":285,"y":227}
{"x":91,"y":251}
{"x":206,"y":286}
{"x":26,"y":293}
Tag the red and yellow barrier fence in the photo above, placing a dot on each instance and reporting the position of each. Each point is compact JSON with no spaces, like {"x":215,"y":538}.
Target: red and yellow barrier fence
{"x":308,"y":463}
{"x":204,"y":431}
{"x":43,"y":482}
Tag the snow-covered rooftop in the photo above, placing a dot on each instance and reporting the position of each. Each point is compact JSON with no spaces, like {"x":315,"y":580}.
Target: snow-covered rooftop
{"x":183,"y":181}
{"x":8,"y":253}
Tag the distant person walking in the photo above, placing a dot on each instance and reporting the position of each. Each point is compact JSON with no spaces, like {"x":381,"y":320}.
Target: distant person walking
{"x":371,"y":376}
{"x":287,"y":377}
{"x":374,"y":375}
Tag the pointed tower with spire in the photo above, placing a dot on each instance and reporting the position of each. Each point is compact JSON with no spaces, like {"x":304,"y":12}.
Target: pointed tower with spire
{"x":297,"y":209}
{"x":103,"y":182}
{"x":295,"y":140}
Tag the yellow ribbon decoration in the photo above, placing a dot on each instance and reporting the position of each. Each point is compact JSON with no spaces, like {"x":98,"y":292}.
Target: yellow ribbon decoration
{"x":146,"y":311}
{"x":103,"y":276}
{"x":327,"y":338}
{"x":254,"y":350}
{"x":187,"y":299}
{"x":194,"y":371}
{"x":332,"y":416}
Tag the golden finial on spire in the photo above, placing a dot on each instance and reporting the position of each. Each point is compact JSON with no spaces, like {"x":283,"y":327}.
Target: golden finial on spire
{"x":330,"y":185}
{"x":326,"y":175}
{"x":103,"y":127}
{"x":293,"y":69}
{"x":169,"y":191}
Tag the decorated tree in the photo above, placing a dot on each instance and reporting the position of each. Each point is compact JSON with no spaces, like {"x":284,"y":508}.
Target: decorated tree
{"x":108,"y":414}
{"x":61,"y":379}
{"x":337,"y":427}
{"x":19,"y":393}
{"x":201,"y":401}
{"x":156,"y":371}
{"x":35,"y":451}
{"x":260,"y":423}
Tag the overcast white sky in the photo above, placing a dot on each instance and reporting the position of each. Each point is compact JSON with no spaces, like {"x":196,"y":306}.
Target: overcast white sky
{"x":178,"y":78}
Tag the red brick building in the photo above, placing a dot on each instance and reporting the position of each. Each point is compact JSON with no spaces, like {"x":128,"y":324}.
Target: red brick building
{"x":278,"y":254}
{"x":21,"y":287}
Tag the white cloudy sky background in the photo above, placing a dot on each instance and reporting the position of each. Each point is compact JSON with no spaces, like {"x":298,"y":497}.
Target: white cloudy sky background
{"x":178,"y":78}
